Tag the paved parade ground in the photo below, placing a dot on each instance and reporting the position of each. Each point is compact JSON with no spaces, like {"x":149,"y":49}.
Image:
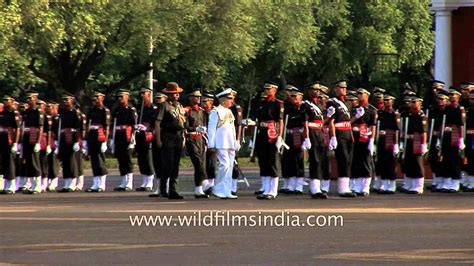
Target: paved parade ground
{"x":84,"y":228}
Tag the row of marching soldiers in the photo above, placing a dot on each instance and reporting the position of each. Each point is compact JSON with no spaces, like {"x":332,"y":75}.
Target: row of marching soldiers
{"x":36,"y":140}
{"x":367,"y":140}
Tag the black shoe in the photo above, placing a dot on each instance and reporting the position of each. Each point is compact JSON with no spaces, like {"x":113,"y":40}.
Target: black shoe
{"x":324,"y":191}
{"x":413,"y":192}
{"x":7,"y":192}
{"x":78,"y":190}
{"x":258,"y":192}
{"x":201,"y":196}
{"x":143,"y":189}
{"x":127,"y":189}
{"x":119,"y":189}
{"x":233,"y":193}
{"x":402,"y":189}
{"x":21,"y":189}
{"x":374,"y":190}
{"x":297,"y":192}
{"x":319,"y":196}
{"x":175,"y":196}
{"x":348,"y":195}
{"x":362,"y":194}
{"x":157,"y":195}
{"x":208,"y":191}
{"x":283,"y":191}
{"x":266,"y":197}
{"x":30,"y":192}
{"x":451,"y":191}
{"x":50,"y":190}
{"x":386,"y":192}
{"x":66,"y":190}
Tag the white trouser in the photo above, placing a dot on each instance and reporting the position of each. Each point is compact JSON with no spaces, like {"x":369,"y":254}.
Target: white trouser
{"x":223,"y":184}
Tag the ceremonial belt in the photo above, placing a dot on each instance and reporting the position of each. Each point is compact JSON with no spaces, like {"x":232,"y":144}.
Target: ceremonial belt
{"x":28,"y":129}
{"x":382,"y":132}
{"x":95,"y":126}
{"x":294,"y":130}
{"x":346,"y":125}
{"x":317,"y":124}
{"x":124,"y":127}
{"x":68,"y":130}
{"x":5,"y":129}
{"x":267,"y":123}
{"x":470,"y":131}
{"x":451,"y":128}
{"x":194,"y":135}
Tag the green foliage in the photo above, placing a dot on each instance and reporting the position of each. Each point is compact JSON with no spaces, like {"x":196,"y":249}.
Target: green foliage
{"x":79,"y":46}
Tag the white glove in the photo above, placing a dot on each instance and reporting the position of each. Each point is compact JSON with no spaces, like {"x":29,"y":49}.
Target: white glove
{"x":37,"y":148}
{"x":85,"y":148}
{"x":131,"y":146}
{"x":371,"y":147}
{"x":19,"y":147}
{"x":112,"y":146}
{"x":237,"y":146}
{"x":402,"y":148}
{"x":14,"y":148}
{"x":201,"y":129}
{"x":306,"y":144}
{"x":248,"y":122}
{"x":48,"y":150}
{"x":396,"y":150}
{"x":279,"y":143}
{"x":360,"y":112}
{"x":461,"y":144}
{"x":76,"y":147}
{"x":103,"y":147}
{"x":251,"y":144}
{"x":438,"y":144}
{"x":424,"y":148}
{"x":56,"y":151}
{"x":330,"y":111}
{"x":140,"y":127}
{"x":332,"y":143}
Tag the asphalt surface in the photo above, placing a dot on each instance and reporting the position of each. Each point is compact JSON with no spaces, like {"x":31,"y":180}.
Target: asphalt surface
{"x":85,"y":228}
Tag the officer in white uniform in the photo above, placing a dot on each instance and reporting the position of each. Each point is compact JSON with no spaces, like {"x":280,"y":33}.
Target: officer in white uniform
{"x":223,"y":143}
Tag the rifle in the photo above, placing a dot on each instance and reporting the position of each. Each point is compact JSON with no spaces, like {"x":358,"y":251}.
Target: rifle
{"x":284,"y":134}
{"x":430,"y":137}
{"x":405,"y":137}
{"x":254,"y":139}
{"x":463,"y":156}
{"x":246,"y":119}
{"x":22,"y":134}
{"x":443,"y":124}
{"x":112,"y":148}
{"x":377,"y":136}
{"x":59,"y":134}
{"x":244,"y":178}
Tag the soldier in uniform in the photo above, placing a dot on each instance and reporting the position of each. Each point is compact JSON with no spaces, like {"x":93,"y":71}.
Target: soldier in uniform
{"x":340,"y":132}
{"x":415,"y":148}
{"x":297,"y":138}
{"x":238,"y":115}
{"x":160,"y":98}
{"x":33,"y":120}
{"x":430,"y":96}
{"x":124,"y":117}
{"x":269,"y":141}
{"x":208,"y":105}
{"x":9,"y":138}
{"x":196,"y":128}
{"x":82,"y":145}
{"x":317,"y":151}
{"x":469,"y":151}
{"x":452,"y":144}
{"x":170,"y":123}
{"x":69,"y":145}
{"x":325,"y":160}
{"x":144,"y":136}
{"x":466,"y":87}
{"x":387,"y":146}
{"x":45,"y":147}
{"x":363,"y":131}
{"x":53,"y":162}
{"x":378,"y":97}
{"x":223,"y":143}
{"x":98,"y":128}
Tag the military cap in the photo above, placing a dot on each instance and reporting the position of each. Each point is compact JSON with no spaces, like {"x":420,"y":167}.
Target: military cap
{"x":378,"y":90}
{"x":408,"y":93}
{"x":415,"y":98}
{"x":8,"y":97}
{"x":387,"y":97}
{"x":454,"y":91}
{"x":123,"y":92}
{"x":341,"y":83}
{"x":225,"y":93}
{"x":437,"y":83}
{"x":290,"y":88}
{"x":442,"y":96}
{"x":406,"y":86}
{"x":32,"y":94}
{"x":41,"y":102}
{"x":196,"y":93}
{"x":145,"y":89}
{"x":351,"y":97}
{"x":467,"y":85}
{"x":234,"y":92}
{"x":67,"y":96}
{"x":378,"y":95}
{"x":208,"y":96}
{"x":323,"y":95}
{"x":160,"y":95}
{"x":263,"y":94}
{"x":318,"y":86}
{"x":269,"y":85}
{"x":362,"y":91}
{"x":471,"y":94}
{"x":98,"y":94}
{"x":172,"y":87}
{"x":296,"y":91}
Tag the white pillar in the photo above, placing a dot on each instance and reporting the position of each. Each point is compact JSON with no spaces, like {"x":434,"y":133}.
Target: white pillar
{"x":443,"y":53}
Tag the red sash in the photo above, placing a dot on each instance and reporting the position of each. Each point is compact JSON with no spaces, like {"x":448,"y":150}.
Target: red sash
{"x":416,"y":143}
{"x":272,"y":133}
{"x":68,"y":135}
{"x":455,"y":135}
{"x":101,"y":135}
{"x":43,"y":141}
{"x":389,"y":139}
{"x":33,"y":135}
{"x":296,"y":139}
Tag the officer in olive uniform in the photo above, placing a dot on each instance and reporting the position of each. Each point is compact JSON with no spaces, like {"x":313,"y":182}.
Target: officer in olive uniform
{"x":69,"y":146}
{"x":269,"y":141}
{"x":33,"y":121}
{"x":469,"y":151}
{"x":297,"y":139}
{"x":53,"y":162}
{"x":387,"y":146}
{"x":341,"y":136}
{"x":452,"y":144}
{"x":98,"y":125}
{"x":144,"y":136}
{"x":123,"y":142}
{"x":363,"y":129}
{"x":160,"y":98}
{"x":170,"y":123}
{"x":196,"y":128}
{"x":9,"y":137}
{"x":415,"y":147}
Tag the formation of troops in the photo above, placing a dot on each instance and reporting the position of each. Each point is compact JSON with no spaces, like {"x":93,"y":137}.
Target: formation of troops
{"x":368,"y":141}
